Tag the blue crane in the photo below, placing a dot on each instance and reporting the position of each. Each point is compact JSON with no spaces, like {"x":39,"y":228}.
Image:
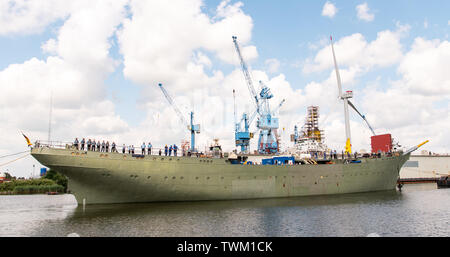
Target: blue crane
{"x":267,"y":123}
{"x":242,"y":137}
{"x":190,"y":126}
{"x":251,"y":89}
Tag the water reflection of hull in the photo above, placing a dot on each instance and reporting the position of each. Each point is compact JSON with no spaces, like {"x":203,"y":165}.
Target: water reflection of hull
{"x":156,"y":208}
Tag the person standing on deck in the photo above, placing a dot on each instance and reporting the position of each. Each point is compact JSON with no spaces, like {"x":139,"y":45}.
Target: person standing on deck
{"x":170,"y":150}
{"x":143,"y":148}
{"x":175,"y":148}
{"x":149,"y":148}
{"x":165,"y":150}
{"x":123,"y":148}
{"x":82,"y":144}
{"x":75,"y":143}
{"x":160,"y":152}
{"x":93,"y":145}
{"x":89,"y":144}
{"x":113,"y":147}
{"x":103,"y":146}
{"x":107,"y":146}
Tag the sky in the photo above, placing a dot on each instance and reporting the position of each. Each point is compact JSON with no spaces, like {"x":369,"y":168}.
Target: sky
{"x":98,"y":64}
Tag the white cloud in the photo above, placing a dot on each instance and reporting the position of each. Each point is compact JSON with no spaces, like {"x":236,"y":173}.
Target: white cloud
{"x":329,"y":9}
{"x":153,"y":53}
{"x":425,"y":67}
{"x":354,"y":51}
{"x":31,"y":17}
{"x":272,"y":65}
{"x":363,"y":12}
{"x":50,"y":46}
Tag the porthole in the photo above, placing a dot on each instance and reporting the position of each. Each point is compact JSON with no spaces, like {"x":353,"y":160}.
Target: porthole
{"x":173,"y":177}
{"x":149,"y":177}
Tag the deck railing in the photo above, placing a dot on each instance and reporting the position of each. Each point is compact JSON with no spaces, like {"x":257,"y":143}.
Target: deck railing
{"x":119,"y":149}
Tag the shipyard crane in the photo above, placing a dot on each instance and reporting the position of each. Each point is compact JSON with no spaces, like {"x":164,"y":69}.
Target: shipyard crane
{"x":347,"y":102}
{"x":242,"y":137}
{"x":278,"y":107}
{"x":190,"y":126}
{"x":267,"y":123}
{"x":247,"y":76}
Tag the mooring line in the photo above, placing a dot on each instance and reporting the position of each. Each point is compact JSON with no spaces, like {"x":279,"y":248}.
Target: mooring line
{"x":3,"y":164}
{"x":13,"y":154}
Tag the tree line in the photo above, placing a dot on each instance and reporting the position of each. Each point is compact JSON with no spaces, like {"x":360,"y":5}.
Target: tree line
{"x":51,"y":182}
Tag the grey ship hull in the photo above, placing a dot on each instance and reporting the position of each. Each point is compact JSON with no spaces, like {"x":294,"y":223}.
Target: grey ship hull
{"x":120,"y":178}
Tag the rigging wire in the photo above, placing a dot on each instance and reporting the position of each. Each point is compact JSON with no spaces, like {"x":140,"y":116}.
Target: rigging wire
{"x":3,"y":164}
{"x":13,"y":154}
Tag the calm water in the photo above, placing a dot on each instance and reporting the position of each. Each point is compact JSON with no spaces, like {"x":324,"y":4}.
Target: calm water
{"x":419,"y":210}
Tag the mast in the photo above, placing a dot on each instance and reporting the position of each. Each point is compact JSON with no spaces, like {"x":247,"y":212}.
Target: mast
{"x":50,"y":117}
{"x":345,"y":97}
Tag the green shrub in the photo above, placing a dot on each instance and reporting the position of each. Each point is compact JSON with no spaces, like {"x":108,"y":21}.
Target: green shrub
{"x":34,"y":189}
{"x":58,"y":178}
{"x":9,"y":186}
{"x":33,"y":186}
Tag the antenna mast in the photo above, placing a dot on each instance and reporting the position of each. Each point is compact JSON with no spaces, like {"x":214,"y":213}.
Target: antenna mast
{"x":50,"y":116}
